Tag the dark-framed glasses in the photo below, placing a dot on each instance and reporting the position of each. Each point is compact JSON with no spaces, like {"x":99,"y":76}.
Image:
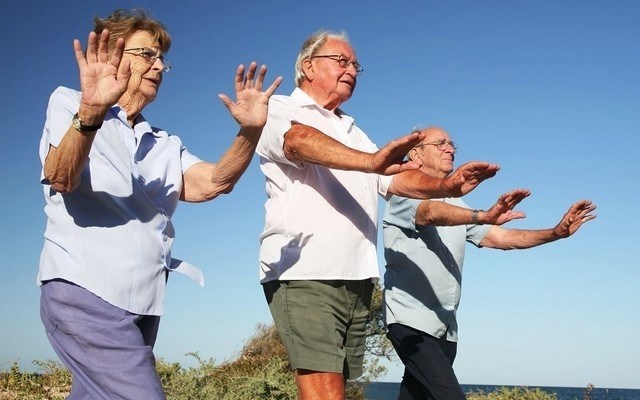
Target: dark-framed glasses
{"x":342,"y":61}
{"x":150,"y":55}
{"x":441,"y":144}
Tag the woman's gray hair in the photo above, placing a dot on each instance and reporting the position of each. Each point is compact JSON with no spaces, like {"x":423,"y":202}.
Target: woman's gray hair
{"x":311,"y":46}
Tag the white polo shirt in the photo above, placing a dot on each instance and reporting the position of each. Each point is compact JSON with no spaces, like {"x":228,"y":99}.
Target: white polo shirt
{"x":321,"y":223}
{"x":113,"y":234}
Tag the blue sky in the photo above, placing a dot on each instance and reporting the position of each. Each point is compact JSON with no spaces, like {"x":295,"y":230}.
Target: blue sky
{"x":549,"y":90}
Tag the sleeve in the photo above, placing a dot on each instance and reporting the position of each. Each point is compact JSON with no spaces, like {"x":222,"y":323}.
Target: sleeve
{"x":384,"y":181}
{"x":365,"y":144}
{"x":63,"y":104}
{"x":280,"y":116}
{"x":401,"y":212}
{"x":475,"y":233}
{"x":187,"y":159}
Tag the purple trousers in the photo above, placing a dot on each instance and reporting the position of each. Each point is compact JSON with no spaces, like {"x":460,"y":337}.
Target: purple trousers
{"x":108,"y":350}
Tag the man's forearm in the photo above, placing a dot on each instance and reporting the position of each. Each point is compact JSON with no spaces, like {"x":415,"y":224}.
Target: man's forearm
{"x":306,"y":144}
{"x":415,"y":184}
{"x":524,"y":239}
{"x":515,"y":239}
{"x":443,"y":214}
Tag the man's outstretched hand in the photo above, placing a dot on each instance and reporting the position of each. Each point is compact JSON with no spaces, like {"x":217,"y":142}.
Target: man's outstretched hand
{"x":467,"y":177}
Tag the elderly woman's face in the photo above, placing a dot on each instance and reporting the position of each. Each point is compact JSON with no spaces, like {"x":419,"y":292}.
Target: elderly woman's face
{"x":146,"y":76}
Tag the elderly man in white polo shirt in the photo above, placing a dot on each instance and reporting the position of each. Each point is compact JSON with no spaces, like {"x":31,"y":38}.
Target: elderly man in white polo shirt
{"x":318,"y":247}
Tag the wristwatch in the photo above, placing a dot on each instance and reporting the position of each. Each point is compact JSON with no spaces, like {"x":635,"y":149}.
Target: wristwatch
{"x":474,"y":217}
{"x":81,"y":127}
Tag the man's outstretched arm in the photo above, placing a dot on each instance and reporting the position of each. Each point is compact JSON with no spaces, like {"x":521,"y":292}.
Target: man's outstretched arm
{"x":443,"y":214}
{"x":418,"y":185}
{"x":509,"y":239}
{"x":303,"y":143}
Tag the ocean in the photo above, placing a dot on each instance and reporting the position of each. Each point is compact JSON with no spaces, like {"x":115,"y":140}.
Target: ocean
{"x":389,"y":391}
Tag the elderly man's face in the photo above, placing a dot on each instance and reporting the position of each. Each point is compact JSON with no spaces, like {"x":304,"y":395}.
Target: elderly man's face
{"x":435,"y":152}
{"x":332,"y":82}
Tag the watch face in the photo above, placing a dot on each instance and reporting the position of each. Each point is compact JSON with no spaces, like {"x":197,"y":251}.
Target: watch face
{"x":76,"y":123}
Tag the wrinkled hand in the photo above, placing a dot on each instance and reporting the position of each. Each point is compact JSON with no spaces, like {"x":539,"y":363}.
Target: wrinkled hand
{"x":502,"y":212}
{"x":251,"y":105}
{"x":578,"y":214}
{"x":102,"y":82}
{"x":389,"y":160}
{"x":468,"y":176}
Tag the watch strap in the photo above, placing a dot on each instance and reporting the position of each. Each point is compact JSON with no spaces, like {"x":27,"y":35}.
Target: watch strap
{"x":82,"y":127}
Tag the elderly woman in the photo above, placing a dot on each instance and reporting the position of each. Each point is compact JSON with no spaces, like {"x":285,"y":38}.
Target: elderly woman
{"x":111,"y":182}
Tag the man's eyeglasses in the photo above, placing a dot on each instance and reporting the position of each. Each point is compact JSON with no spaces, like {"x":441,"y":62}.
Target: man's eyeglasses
{"x":441,"y":144}
{"x":342,"y":61}
{"x":151,"y":55}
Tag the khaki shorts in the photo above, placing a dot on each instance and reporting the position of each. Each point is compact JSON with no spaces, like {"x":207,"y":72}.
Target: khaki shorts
{"x":322,"y":323}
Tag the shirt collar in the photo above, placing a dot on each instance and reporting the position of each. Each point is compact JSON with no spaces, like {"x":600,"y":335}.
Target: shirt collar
{"x":304,"y":100}
{"x":141,"y":125}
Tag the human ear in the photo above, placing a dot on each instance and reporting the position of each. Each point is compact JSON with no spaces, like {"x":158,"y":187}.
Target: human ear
{"x":413,"y":154}
{"x":307,"y":68}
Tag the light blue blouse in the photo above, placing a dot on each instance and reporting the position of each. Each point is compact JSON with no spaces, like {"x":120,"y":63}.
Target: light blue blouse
{"x":113,"y":234}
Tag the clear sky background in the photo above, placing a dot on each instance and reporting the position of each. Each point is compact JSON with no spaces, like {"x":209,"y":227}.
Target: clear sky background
{"x":549,"y":90}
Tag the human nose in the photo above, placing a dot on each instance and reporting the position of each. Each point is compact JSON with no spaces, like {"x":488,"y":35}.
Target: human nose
{"x":158,"y":64}
{"x":351,"y":67}
{"x":449,"y":147}
{"x":161,"y":64}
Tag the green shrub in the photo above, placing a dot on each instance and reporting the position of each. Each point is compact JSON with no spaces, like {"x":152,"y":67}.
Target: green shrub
{"x":519,"y":393}
{"x":265,"y":377}
{"x":52,"y":383}
{"x":260,"y":371}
